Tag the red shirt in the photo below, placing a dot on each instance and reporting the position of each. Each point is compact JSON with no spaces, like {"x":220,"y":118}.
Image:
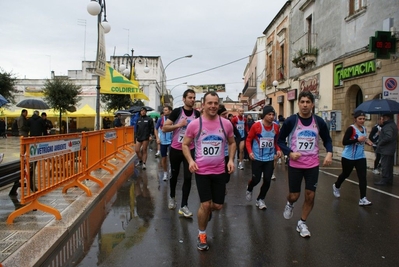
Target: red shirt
{"x":257,"y":129}
{"x":234,"y":120}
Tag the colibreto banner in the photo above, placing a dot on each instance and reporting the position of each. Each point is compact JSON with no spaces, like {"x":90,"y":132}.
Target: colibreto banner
{"x":115,"y":83}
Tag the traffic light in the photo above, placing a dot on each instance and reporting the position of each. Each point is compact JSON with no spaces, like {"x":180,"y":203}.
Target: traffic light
{"x":382,"y":45}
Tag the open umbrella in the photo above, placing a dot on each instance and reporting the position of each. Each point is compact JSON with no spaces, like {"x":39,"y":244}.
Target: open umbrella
{"x":3,"y":101}
{"x":123,"y":112}
{"x":154,"y":114}
{"x":135,"y":109}
{"x":33,"y":103}
{"x":379,"y":106}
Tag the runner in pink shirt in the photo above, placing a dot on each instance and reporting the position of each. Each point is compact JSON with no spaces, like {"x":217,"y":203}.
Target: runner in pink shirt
{"x":210,"y":134}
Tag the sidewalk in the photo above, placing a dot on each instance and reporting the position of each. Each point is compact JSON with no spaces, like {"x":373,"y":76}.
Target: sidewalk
{"x":29,"y":239}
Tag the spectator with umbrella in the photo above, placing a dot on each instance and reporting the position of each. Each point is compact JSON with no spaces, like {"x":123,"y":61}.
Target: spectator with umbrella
{"x":386,"y":147}
{"x":23,"y":127}
{"x":118,"y":120}
{"x":48,"y":124}
{"x":36,"y":124}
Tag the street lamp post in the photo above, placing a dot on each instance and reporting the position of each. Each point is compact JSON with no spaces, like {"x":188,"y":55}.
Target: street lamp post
{"x":128,"y":72}
{"x":169,"y":92}
{"x":164,"y":78}
{"x":97,"y":9}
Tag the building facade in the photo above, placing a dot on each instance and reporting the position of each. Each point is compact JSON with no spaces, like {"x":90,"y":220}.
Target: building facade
{"x":312,"y":45}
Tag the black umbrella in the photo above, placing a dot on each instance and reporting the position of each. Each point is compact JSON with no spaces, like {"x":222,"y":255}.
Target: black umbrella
{"x":123,"y":112}
{"x":33,"y":103}
{"x":135,"y":109}
{"x":379,"y":106}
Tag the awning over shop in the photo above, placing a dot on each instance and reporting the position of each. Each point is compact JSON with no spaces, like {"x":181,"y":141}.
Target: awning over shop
{"x":85,"y":111}
{"x":17,"y":112}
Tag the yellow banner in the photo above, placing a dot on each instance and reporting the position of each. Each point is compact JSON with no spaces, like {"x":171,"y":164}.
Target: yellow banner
{"x":115,"y":83}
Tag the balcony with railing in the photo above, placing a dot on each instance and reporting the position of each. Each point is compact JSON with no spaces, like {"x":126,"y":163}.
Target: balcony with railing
{"x":249,"y":88}
{"x":305,"y":51}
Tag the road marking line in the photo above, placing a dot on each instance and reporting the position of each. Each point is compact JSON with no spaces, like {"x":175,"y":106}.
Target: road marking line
{"x":369,"y":187}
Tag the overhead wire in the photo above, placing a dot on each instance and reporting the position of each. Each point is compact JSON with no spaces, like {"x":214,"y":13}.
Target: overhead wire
{"x":220,"y":66}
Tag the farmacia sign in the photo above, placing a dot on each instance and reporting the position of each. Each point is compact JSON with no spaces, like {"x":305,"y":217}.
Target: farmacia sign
{"x":343,"y":73}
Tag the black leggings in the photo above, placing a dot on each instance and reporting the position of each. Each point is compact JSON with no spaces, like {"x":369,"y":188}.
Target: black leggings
{"x":361,"y":169}
{"x":259,"y":167}
{"x":176,"y":157}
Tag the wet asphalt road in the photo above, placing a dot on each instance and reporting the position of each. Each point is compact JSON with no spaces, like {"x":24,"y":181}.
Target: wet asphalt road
{"x":140,"y":230}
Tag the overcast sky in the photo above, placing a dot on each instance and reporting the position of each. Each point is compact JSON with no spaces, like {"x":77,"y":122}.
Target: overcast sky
{"x":43,"y":35}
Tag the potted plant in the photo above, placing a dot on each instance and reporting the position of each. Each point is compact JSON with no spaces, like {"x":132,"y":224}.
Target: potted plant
{"x":311,"y":55}
{"x":297,"y":60}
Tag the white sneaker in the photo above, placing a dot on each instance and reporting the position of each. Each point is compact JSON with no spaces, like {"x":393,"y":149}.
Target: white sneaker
{"x":248,"y":195}
{"x":261,"y":204}
{"x":157,"y":154}
{"x":1,"y":157}
{"x":279,"y":161}
{"x":303,"y":230}
{"x":364,"y":202}
{"x":138,"y":164}
{"x":336,"y":191}
{"x":165,"y":176}
{"x":273,"y":176}
{"x":144,"y":167}
{"x":288,"y":211}
{"x":185,"y":212}
{"x":376,"y":171}
{"x":172,"y":203}
{"x":240,"y":166}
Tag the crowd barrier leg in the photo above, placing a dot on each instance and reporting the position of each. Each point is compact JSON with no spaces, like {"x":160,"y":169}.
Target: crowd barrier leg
{"x":34,"y":205}
{"x":79,"y":184}
{"x":92,"y":178}
{"x":105,"y":167}
{"x":120,"y":158}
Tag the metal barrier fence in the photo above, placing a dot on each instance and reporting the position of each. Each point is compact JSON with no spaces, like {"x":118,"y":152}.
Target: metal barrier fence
{"x":67,"y":160}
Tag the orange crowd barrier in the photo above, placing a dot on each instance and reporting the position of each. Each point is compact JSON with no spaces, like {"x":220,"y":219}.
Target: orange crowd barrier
{"x":48,"y":162}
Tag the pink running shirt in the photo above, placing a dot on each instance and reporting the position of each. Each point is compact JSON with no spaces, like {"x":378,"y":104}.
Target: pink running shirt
{"x":210,"y":145}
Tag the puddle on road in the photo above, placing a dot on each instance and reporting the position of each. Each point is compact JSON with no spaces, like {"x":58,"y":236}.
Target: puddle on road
{"x":123,"y":213}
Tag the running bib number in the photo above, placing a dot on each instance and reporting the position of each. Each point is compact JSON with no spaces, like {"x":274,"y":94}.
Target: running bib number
{"x":180,"y":138}
{"x":305,"y":144}
{"x":211,"y":149}
{"x":266,"y":142}
{"x":240,"y":127}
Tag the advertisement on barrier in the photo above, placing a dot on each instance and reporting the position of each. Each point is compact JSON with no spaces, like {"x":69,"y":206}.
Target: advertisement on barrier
{"x":50,"y":149}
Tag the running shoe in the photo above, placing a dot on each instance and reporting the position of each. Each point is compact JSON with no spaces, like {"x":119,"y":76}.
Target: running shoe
{"x":376,"y":171}
{"x":240,"y":166}
{"x":172,"y":203}
{"x":288,"y":211}
{"x":157,"y":154}
{"x":143,"y":167}
{"x":261,"y":204}
{"x":279,"y":161}
{"x":165,"y":176}
{"x":302,"y":229}
{"x":185,"y":212}
{"x":138,"y":164}
{"x":248,"y":195}
{"x":336,"y":191}
{"x":201,"y":243}
{"x":364,"y":202}
{"x":273,"y":176}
